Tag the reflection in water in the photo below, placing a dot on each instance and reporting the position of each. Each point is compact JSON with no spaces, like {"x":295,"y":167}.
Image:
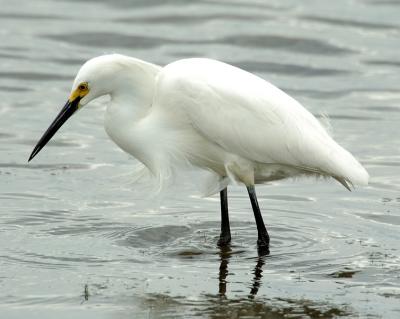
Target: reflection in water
{"x":278,"y":308}
{"x":257,"y":276}
{"x":225,"y":254}
{"x":65,"y":221}
{"x":85,"y":294}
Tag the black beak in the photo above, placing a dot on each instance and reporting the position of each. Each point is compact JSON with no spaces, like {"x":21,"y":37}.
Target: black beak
{"x":66,"y":112}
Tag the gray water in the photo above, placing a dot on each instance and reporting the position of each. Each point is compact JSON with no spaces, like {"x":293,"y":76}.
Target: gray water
{"x":77,"y":238}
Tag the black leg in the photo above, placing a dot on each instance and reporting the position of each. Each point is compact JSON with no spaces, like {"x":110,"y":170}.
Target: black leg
{"x":263,"y":237}
{"x":225,"y":236}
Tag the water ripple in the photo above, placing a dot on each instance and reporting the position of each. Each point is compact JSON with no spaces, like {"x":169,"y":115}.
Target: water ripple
{"x":12,"y":56}
{"x":110,"y":39}
{"x":52,"y":167}
{"x":14,"y":89}
{"x":288,"y":69}
{"x":382,"y":218}
{"x":31,"y":16}
{"x":352,"y":117}
{"x":154,"y":236}
{"x":192,"y":19}
{"x":345,"y":23}
{"x":292,"y":44}
{"x":29,"y":76}
{"x":27,"y":196}
{"x":216,"y":306}
{"x":394,"y":64}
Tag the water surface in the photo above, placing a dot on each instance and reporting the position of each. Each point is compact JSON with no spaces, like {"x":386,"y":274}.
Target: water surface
{"x":77,"y":239}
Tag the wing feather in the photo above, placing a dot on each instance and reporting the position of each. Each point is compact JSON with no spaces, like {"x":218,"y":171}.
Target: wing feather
{"x":252,"y":118}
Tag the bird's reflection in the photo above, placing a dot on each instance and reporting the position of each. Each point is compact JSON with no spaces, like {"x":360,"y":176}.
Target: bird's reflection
{"x":257,"y":276}
{"x":225,"y":254}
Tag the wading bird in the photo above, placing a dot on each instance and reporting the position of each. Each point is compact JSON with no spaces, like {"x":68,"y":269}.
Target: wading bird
{"x":213,"y":116}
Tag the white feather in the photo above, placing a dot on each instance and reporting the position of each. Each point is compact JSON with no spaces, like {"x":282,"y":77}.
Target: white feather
{"x":211,"y":115}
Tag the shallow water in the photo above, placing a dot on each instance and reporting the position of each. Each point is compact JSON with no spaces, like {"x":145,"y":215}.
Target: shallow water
{"x":78,"y":240}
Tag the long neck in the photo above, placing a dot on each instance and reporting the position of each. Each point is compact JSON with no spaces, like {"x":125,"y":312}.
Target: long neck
{"x":134,"y":90}
{"x":130,"y":103}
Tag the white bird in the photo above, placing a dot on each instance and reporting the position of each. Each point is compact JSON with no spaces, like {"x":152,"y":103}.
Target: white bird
{"x":213,"y":116}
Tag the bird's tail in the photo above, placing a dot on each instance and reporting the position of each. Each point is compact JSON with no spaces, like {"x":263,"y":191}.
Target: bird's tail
{"x":346,"y":169}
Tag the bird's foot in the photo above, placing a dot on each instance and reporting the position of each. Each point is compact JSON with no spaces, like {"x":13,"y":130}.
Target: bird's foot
{"x":224,"y":240}
{"x":263,"y":245}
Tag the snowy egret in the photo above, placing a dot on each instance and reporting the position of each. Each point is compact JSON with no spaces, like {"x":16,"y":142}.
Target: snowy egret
{"x":213,"y":116}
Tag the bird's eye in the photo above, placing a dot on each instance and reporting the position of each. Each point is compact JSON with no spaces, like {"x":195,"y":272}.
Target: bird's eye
{"x":82,"y":87}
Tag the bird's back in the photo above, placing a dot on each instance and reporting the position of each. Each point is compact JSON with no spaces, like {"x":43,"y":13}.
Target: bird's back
{"x":249,"y":117}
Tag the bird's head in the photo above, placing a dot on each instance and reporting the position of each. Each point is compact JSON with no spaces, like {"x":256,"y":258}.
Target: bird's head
{"x":97,"y":77}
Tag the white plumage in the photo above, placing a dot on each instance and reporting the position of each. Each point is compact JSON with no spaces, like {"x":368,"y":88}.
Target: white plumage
{"x":210,"y":115}
{"x":214,"y":116}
